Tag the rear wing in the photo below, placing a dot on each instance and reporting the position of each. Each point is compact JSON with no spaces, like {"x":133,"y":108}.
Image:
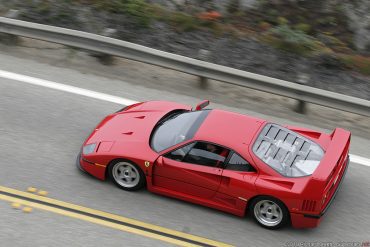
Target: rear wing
{"x":335,"y":156}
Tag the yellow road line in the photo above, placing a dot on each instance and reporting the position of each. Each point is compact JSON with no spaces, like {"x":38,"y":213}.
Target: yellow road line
{"x":94,"y":220}
{"x":167,"y":232}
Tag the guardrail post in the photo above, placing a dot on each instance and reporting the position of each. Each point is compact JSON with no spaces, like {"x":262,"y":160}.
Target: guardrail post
{"x":10,"y":39}
{"x":301,"y":106}
{"x":203,"y":82}
{"x":103,"y":58}
{"x":203,"y":55}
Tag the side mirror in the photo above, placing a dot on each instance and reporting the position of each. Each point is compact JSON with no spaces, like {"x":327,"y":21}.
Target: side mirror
{"x":159,"y":161}
{"x":201,"y":105}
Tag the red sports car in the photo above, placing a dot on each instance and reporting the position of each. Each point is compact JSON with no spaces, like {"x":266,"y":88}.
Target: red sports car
{"x":219,"y":159}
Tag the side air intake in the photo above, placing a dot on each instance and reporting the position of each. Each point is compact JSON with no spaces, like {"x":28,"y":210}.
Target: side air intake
{"x":308,"y":205}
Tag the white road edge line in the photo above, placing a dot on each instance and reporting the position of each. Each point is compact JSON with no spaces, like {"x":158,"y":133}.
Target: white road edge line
{"x":107,"y":97}
{"x":359,"y":160}
{"x":66,"y":88}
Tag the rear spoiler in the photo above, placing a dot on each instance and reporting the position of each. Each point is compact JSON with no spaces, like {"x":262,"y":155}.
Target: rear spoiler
{"x":335,"y":154}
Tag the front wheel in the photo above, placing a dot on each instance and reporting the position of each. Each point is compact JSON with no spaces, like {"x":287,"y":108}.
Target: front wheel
{"x":269,"y":212}
{"x":127,"y":175}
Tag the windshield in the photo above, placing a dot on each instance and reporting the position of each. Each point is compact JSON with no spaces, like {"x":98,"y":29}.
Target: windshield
{"x":289,"y":153}
{"x":175,"y":128}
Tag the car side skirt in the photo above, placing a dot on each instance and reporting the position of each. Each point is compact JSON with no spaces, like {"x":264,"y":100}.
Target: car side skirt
{"x":204,"y":202}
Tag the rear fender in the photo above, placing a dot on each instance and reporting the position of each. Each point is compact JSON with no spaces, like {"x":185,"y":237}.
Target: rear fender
{"x":324,"y":181}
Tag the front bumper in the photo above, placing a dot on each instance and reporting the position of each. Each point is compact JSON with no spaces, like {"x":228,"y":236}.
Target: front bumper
{"x":94,"y":169}
{"x":78,"y":162}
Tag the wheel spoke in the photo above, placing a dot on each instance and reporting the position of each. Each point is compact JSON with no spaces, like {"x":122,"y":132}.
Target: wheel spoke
{"x":263,"y":210}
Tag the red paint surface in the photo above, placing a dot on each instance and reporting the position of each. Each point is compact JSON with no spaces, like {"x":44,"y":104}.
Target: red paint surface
{"x":125,"y":135}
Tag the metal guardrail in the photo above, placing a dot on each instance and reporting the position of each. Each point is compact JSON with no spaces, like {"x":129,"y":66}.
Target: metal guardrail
{"x":188,"y":65}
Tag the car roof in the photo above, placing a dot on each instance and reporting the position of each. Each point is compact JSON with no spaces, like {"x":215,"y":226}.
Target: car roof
{"x":230,"y":129}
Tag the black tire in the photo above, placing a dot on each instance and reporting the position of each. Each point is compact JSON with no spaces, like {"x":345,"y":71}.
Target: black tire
{"x":78,"y":165}
{"x":121,"y":172}
{"x":269,"y":212}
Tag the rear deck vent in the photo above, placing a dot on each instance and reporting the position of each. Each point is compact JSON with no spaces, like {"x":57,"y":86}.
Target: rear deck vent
{"x":286,"y":151}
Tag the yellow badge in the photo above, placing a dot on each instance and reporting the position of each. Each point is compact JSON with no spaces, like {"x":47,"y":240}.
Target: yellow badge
{"x":147,"y":163}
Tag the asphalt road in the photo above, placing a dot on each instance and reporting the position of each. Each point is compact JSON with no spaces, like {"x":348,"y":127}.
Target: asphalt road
{"x":41,"y":131}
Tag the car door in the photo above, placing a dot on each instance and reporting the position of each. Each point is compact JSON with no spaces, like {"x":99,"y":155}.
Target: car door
{"x":238,"y":178}
{"x":194,"y":169}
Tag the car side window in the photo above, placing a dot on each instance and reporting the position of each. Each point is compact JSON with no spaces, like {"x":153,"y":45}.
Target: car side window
{"x":179,"y":154}
{"x":207,"y":154}
{"x":237,"y":163}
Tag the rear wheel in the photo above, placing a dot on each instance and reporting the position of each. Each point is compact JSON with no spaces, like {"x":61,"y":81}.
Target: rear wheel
{"x":127,"y":175}
{"x":269,"y":212}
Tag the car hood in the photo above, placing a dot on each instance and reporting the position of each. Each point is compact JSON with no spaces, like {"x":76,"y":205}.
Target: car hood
{"x":133,"y":125}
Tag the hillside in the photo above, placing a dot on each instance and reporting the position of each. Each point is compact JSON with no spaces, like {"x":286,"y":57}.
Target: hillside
{"x":325,"y":42}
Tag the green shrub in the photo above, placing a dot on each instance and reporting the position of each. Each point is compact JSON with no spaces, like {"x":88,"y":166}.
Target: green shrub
{"x":357,"y":62}
{"x":159,"y":12}
{"x":272,"y":14}
{"x":183,"y":22}
{"x":140,"y":10}
{"x":306,"y":28}
{"x":43,"y":8}
{"x":282,"y":20}
{"x":264,"y":25}
{"x":328,"y":21}
{"x":296,"y":41}
{"x":334,"y":43}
